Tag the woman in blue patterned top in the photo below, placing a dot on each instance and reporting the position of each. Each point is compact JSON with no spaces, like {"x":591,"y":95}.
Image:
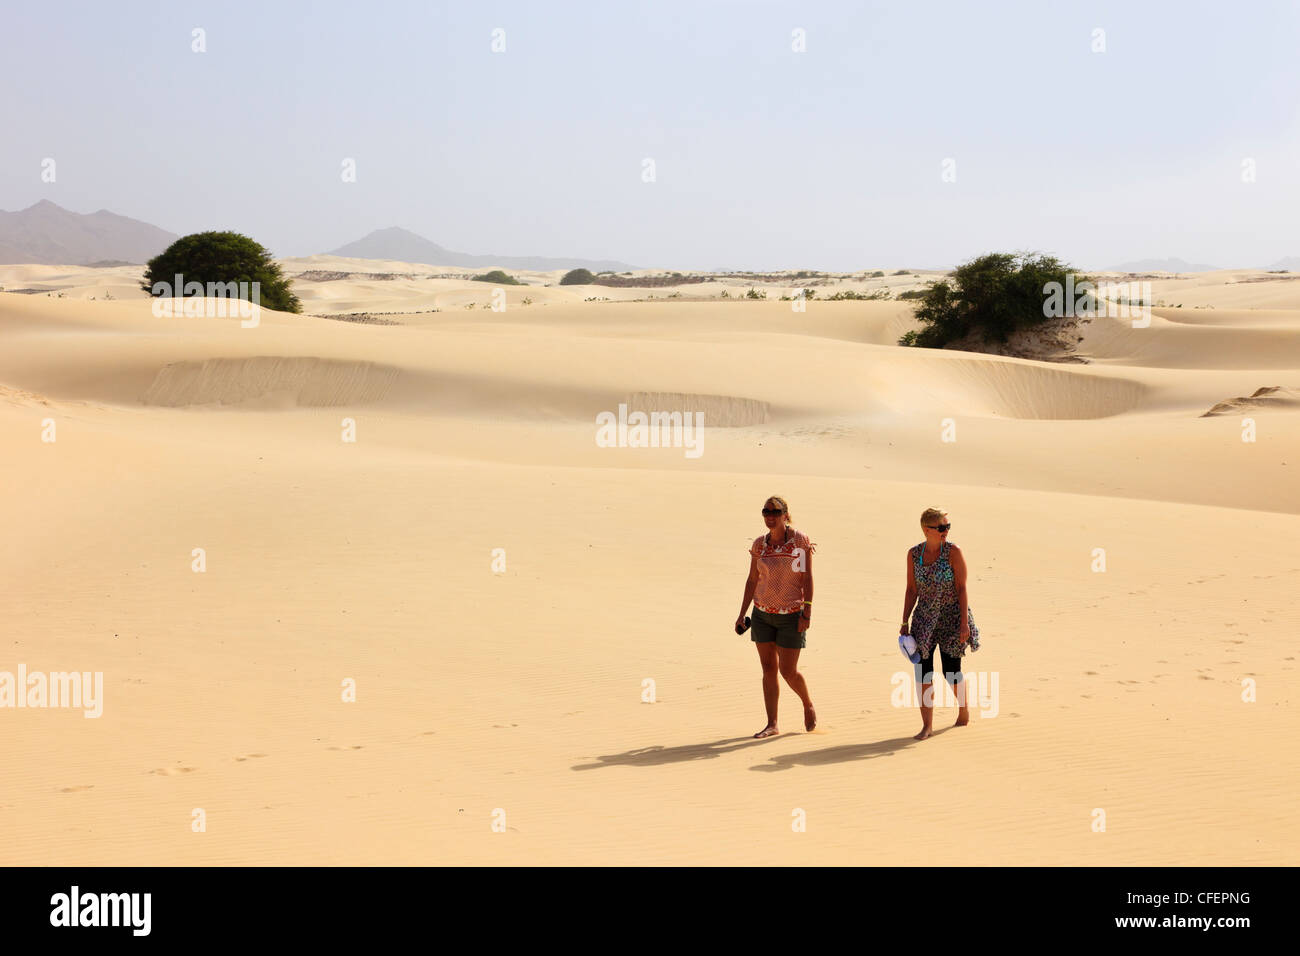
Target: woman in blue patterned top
{"x":936,"y":586}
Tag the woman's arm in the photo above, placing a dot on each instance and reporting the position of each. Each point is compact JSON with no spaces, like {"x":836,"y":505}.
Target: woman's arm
{"x":751,"y":583}
{"x":959,"y":580}
{"x":909,"y":596}
{"x":805,"y":613}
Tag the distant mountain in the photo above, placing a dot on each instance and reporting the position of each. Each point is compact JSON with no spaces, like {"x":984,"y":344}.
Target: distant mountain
{"x":1161,"y":265}
{"x":403,"y":245}
{"x":1290,"y":263}
{"x":49,"y":234}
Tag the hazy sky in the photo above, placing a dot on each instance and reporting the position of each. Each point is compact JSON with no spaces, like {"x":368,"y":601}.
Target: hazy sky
{"x":764,"y":157}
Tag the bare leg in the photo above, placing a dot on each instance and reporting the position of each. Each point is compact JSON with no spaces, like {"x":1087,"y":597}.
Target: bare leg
{"x":927,"y":711}
{"x":790,"y":671}
{"x":771,"y":685}
{"x":963,"y":714}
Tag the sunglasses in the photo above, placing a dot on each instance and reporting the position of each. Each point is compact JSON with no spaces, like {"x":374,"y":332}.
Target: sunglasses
{"x":939,"y":527}
{"x":772,"y":512}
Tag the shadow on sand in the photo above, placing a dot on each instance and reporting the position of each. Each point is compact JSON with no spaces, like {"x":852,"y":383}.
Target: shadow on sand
{"x":844,"y":754}
{"x":655,"y":756}
{"x":658,"y":756}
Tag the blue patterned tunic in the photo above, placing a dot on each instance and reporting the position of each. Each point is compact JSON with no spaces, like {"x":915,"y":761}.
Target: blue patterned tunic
{"x":936,"y":617}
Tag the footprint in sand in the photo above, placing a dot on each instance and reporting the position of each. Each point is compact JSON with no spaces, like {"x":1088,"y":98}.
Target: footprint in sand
{"x":173,"y":771}
{"x":84,"y":786}
{"x":1090,"y":673}
{"x":242,"y":757}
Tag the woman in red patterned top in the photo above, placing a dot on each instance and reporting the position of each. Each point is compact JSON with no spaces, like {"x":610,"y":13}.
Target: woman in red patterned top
{"x":780,"y":584}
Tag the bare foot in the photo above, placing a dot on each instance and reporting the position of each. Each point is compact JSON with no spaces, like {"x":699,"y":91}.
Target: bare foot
{"x":963,"y":717}
{"x":768,"y":731}
{"x":809,"y":718}
{"x":925,"y":732}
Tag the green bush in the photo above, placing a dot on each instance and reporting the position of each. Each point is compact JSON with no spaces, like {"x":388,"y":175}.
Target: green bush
{"x":992,"y":295}
{"x":863,"y":296}
{"x":577,"y":277}
{"x":222,"y":257}
{"x":497,"y":277}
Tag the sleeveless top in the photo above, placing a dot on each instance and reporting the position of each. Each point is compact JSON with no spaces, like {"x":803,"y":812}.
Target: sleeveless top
{"x":780,"y":573}
{"x":937,"y":615}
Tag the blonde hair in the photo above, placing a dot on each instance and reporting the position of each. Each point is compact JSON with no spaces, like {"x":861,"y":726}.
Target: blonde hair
{"x":932,"y":514}
{"x":778,"y":502}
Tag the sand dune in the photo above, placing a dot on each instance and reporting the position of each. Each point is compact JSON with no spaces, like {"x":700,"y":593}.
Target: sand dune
{"x":1268,"y":343}
{"x":1268,"y":397}
{"x":1020,"y":389}
{"x":718,"y":411}
{"x":297,"y":381}
{"x":521,"y":689}
{"x":1229,"y":289}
